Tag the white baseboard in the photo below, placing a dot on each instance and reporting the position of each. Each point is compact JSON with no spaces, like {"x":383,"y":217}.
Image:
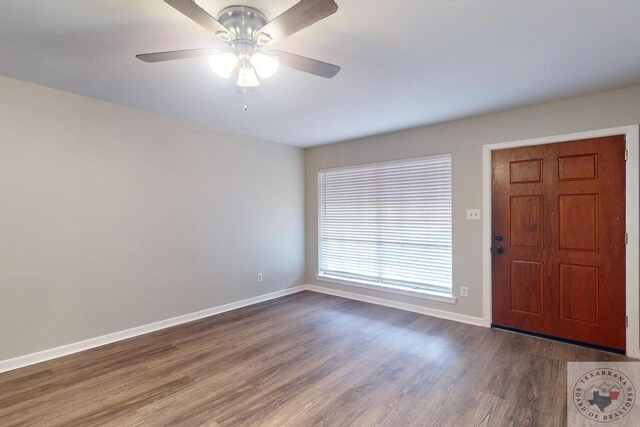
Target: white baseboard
{"x":65,"y":350}
{"x":54,"y":353}
{"x":448,"y":315}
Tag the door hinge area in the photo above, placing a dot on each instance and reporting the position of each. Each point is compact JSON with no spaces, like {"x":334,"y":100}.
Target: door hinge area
{"x":626,"y":321}
{"x":626,"y":154}
{"x":626,"y":238}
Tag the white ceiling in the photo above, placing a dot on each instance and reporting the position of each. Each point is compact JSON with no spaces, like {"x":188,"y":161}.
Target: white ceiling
{"x":404,"y":63}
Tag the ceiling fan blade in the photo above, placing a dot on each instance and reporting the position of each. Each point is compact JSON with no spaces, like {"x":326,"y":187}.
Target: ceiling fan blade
{"x":298,"y":17}
{"x":175,"y":54}
{"x":308,"y":65}
{"x":191,"y":10}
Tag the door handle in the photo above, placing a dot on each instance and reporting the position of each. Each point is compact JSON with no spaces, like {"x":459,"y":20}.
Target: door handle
{"x":499,"y":250}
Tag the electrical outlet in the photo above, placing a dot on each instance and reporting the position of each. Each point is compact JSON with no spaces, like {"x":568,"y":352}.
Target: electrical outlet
{"x":259,"y":277}
{"x":473,"y":214}
{"x":464,"y":291}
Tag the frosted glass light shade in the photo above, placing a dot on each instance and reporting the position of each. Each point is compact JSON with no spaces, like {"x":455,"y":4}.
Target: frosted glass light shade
{"x":247,"y":77}
{"x":266,"y":66}
{"x":223,"y":64}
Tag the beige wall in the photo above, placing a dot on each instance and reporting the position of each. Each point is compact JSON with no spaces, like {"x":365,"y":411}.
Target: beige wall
{"x":464,"y":140}
{"x":111,"y":218}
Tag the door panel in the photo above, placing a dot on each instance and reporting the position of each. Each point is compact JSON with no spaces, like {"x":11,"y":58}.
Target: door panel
{"x":559,"y":248}
{"x":578,"y":222}
{"x":525,"y":171}
{"x":576,"y":168}
{"x":527,"y":285}
{"x":527,"y":221}
{"x":579,"y":293}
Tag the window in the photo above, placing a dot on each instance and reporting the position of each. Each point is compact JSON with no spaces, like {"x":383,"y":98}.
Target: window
{"x":388,"y":224}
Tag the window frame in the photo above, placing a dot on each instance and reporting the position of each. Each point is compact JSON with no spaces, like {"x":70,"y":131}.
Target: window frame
{"x":421,"y":292}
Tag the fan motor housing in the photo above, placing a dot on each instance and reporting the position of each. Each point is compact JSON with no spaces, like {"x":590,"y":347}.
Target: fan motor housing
{"x":242,"y":22}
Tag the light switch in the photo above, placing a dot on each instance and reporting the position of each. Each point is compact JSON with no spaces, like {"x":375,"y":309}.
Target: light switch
{"x":473,"y":214}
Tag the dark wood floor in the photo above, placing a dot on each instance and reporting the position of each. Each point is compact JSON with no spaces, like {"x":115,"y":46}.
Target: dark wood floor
{"x":303,"y":360}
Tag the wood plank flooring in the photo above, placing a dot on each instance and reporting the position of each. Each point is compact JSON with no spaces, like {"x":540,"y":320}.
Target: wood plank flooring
{"x":303,"y":360}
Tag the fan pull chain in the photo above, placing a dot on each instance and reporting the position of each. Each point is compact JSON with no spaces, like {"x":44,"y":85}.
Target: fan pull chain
{"x":244,"y":99}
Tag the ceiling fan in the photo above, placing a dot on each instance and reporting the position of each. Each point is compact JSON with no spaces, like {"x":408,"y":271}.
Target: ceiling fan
{"x":241,"y":34}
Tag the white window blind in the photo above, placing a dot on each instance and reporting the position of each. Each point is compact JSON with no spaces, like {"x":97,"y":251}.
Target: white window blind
{"x":388,"y":223}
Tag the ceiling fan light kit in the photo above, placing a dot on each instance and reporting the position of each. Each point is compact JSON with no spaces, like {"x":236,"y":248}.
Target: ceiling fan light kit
{"x":223,"y":64}
{"x":247,"y":77}
{"x":266,"y":66}
{"x":242,"y":32}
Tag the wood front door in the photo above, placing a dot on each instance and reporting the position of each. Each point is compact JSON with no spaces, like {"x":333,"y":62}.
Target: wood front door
{"x":558,"y":262}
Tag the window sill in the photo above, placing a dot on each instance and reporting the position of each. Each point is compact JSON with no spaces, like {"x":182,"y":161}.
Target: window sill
{"x":416,"y":293}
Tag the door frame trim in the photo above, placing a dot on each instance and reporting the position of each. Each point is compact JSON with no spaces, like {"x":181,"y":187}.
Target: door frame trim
{"x":632,"y":197}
